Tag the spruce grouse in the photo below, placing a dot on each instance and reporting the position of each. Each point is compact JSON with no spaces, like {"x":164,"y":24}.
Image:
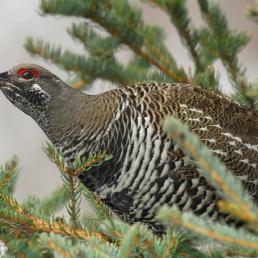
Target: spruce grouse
{"x":147,"y":170}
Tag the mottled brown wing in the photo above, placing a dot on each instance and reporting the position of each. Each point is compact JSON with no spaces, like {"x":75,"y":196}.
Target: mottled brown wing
{"x":228,"y":129}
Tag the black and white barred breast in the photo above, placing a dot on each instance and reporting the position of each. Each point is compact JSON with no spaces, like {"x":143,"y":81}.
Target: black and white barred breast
{"x":148,"y":170}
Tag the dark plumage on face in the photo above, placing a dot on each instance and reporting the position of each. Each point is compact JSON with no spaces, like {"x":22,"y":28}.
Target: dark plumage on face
{"x":29,"y":87}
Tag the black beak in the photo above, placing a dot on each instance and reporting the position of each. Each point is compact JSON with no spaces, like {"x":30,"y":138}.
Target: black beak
{"x":4,"y":78}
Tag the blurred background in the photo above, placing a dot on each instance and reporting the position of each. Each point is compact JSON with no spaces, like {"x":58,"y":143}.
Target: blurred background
{"x":20,"y":135}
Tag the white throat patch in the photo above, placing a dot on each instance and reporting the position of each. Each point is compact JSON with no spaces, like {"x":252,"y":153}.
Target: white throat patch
{"x":39,"y":89}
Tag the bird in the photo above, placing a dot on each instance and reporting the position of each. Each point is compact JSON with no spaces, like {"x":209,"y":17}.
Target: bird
{"x":148,"y":169}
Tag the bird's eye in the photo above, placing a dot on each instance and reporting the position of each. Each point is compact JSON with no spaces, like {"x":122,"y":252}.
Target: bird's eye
{"x":27,"y":75}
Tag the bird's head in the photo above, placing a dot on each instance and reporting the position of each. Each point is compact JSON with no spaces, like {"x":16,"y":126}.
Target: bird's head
{"x":30,"y":87}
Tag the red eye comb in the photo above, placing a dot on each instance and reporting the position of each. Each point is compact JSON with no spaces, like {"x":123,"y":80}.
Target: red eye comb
{"x":34,"y":73}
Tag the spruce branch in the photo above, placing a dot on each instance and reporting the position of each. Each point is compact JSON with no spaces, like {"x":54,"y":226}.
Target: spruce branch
{"x":97,"y":45}
{"x":10,"y":201}
{"x":138,"y":241}
{"x":104,"y":48}
{"x":55,"y":157}
{"x":71,"y":184}
{"x":169,"y":246}
{"x":31,"y":224}
{"x":74,"y":187}
{"x":20,"y":246}
{"x":130,"y":238}
{"x":178,"y":14}
{"x":54,"y":201}
{"x":46,"y":207}
{"x":102,"y":250}
{"x":108,"y":16}
{"x":13,"y":219}
{"x":88,"y":68}
{"x":67,"y":248}
{"x":208,"y":79}
{"x":81,"y":166}
{"x":204,"y":74}
{"x":224,"y":44}
{"x":129,"y":242}
{"x":52,"y":246}
{"x":207,"y":228}
{"x":235,"y":200}
{"x":253,"y":93}
{"x":99,"y":64}
{"x":64,"y":229}
{"x":100,"y":209}
{"x":8,"y":175}
{"x":59,"y":245}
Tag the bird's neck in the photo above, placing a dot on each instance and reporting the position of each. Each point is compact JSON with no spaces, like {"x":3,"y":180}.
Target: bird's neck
{"x":75,"y":120}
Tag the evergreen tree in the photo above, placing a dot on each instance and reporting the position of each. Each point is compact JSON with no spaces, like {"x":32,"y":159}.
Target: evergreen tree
{"x":32,"y":229}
